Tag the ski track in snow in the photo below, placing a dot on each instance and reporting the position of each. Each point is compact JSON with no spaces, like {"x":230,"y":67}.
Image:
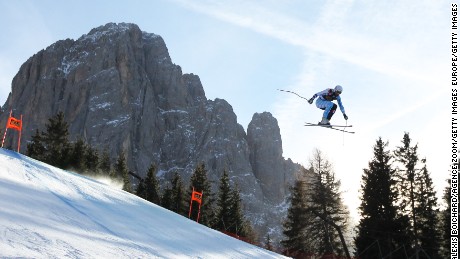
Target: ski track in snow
{"x":46,"y":212}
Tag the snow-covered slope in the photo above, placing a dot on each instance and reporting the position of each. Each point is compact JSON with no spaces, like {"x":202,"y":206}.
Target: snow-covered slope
{"x":46,"y":212}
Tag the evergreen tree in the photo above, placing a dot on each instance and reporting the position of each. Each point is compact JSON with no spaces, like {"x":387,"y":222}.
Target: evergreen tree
{"x":167,"y":199}
{"x":250,"y":235}
{"x":91,"y":160}
{"x":152,"y":187}
{"x":199,"y":181}
{"x":268,"y":243}
{"x":140,"y":190}
{"x":104,"y":164}
{"x":237,"y":224}
{"x":426,"y":212}
{"x":177,"y":201}
{"x":417,"y":199}
{"x":121,"y":172}
{"x":77,"y":156}
{"x":445,"y":222}
{"x":324,"y":201}
{"x":407,"y":156}
{"x":55,"y":139}
{"x":378,"y":228}
{"x":297,"y":241}
{"x":224,"y":214}
{"x":36,"y":149}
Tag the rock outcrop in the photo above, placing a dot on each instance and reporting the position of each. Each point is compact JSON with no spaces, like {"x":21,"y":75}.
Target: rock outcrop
{"x":266,"y":157}
{"x":119,"y":90}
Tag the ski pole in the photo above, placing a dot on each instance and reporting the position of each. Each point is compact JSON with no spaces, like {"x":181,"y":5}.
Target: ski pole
{"x":292,"y":93}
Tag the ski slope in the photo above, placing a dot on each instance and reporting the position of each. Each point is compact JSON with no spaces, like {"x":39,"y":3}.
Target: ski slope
{"x":47,"y":212}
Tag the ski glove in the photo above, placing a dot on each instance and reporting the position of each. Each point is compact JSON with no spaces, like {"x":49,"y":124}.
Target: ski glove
{"x":311,"y":100}
{"x":345,"y":116}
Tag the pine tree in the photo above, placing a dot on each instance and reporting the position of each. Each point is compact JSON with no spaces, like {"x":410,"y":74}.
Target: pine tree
{"x":268,"y":243}
{"x":36,"y":149}
{"x":167,"y":199}
{"x":140,"y":190}
{"x":199,"y":182}
{"x":121,"y":172}
{"x":104,"y":163}
{"x":426,"y":212}
{"x":152,"y":187}
{"x":56,"y":141}
{"x":406,"y":155}
{"x":178,"y":201}
{"x":237,"y":224}
{"x":417,"y":201}
{"x":91,"y":160}
{"x":324,"y":201}
{"x":223,"y":216}
{"x":294,"y":228}
{"x":446,"y":221}
{"x":377,"y":229}
{"x":77,"y":156}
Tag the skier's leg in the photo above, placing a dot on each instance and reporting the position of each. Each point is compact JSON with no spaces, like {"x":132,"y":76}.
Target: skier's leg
{"x":332,"y":111}
{"x":326,"y":106}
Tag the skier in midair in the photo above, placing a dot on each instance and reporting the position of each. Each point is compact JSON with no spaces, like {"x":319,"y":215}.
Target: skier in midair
{"x":325,"y":103}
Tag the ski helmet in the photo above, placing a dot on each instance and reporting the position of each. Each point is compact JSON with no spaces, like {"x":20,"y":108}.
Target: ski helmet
{"x":338,"y":88}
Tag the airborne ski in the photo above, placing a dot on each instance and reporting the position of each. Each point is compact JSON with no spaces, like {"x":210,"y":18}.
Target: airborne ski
{"x":334,"y":127}
{"x":337,"y":126}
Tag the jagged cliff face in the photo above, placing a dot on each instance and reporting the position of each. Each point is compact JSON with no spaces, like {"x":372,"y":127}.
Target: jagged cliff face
{"x":266,"y":157}
{"x":119,"y":89}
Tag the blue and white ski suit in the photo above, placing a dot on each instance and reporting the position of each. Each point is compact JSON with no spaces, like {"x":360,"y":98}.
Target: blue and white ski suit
{"x":325,"y":103}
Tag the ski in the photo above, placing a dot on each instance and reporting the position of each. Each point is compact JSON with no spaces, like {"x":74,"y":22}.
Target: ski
{"x":351,"y":132}
{"x":332,"y":127}
{"x":337,"y":126}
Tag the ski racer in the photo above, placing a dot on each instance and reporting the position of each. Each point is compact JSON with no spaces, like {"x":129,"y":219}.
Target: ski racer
{"x":325,"y":103}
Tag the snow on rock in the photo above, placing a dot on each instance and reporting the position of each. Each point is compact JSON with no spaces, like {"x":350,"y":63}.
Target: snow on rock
{"x":51,"y":213}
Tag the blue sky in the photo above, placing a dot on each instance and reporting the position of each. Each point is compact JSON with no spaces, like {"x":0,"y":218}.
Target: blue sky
{"x":391,"y":57}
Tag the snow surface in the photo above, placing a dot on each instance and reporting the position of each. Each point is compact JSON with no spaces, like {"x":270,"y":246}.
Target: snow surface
{"x":46,"y":212}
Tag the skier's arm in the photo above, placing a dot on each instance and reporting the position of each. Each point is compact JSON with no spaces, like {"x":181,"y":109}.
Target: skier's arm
{"x":339,"y":101}
{"x":317,"y":94}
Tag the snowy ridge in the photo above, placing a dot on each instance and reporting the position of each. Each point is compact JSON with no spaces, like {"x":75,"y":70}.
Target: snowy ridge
{"x":50,"y":213}
{"x":106,"y":30}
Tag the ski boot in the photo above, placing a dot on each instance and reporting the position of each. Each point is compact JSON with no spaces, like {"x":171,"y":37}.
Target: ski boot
{"x":324,"y":122}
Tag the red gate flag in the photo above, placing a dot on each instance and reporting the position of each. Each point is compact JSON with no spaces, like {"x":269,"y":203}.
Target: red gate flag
{"x":14,"y":123}
{"x":196,"y":196}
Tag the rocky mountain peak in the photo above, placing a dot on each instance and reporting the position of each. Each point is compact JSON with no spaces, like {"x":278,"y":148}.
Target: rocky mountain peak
{"x":264,"y":125}
{"x":120,"y":91}
{"x":266,"y":155}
